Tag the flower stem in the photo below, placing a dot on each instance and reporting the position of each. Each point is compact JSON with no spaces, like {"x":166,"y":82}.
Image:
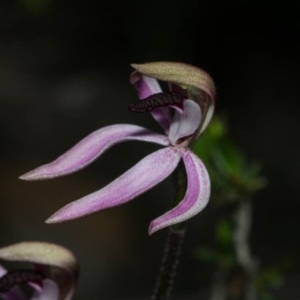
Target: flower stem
{"x":173,"y":245}
{"x":165,"y":280}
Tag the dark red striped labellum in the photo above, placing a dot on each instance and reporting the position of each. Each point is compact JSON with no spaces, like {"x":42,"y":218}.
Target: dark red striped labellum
{"x":18,"y":277}
{"x":155,"y":101}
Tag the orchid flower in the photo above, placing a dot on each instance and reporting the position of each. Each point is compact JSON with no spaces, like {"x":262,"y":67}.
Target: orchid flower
{"x":196,"y":90}
{"x":53,"y":274}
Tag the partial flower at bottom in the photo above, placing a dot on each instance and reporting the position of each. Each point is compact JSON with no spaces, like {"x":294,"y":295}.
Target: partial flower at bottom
{"x":52,"y":273}
{"x":193,"y":90}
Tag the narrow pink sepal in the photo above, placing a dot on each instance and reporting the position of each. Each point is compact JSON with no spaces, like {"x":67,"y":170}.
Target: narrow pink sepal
{"x":91,"y":147}
{"x":147,"y":86}
{"x":147,"y":173}
{"x":195,"y":199}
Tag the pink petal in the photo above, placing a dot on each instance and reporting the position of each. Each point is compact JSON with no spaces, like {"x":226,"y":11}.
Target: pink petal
{"x":147,"y":173}
{"x":49,"y":291}
{"x":185,"y":124}
{"x":147,"y":86}
{"x":163,"y":117}
{"x":91,"y":147}
{"x":195,"y":199}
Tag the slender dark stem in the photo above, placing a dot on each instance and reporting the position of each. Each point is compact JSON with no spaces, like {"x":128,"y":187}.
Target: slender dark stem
{"x":173,"y":245}
{"x":165,"y":280}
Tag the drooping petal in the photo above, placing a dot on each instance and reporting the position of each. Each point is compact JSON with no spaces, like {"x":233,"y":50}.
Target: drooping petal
{"x":195,"y":199}
{"x":91,"y":147}
{"x":147,"y":86}
{"x":49,"y":291}
{"x":147,"y":173}
{"x":185,"y":124}
{"x":48,"y":254}
{"x":14,"y":294}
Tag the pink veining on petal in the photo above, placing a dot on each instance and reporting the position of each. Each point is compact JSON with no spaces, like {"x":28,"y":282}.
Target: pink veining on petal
{"x":186,"y":123}
{"x":147,"y":86}
{"x":91,"y":147}
{"x":163,"y":117}
{"x":195,"y":199}
{"x":147,"y":173}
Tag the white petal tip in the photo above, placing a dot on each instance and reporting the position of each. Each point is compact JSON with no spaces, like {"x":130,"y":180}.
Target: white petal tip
{"x":49,"y":221}
{"x":52,"y":220}
{"x":26,"y":176}
{"x":33,"y":175}
{"x":152,"y":229}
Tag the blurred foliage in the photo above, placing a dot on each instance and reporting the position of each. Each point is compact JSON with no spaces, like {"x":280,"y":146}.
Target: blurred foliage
{"x":232,"y":176}
{"x":222,"y":255}
{"x":271,"y":278}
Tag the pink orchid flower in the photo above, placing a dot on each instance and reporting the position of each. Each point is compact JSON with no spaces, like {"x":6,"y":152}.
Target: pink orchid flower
{"x":53,"y":274}
{"x":191,"y":115}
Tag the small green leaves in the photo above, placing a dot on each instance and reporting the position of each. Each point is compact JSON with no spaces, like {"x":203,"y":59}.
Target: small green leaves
{"x":233,"y":177}
{"x":272,"y":278}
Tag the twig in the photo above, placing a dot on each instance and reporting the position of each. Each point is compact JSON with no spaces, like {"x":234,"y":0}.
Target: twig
{"x":219,"y":288}
{"x":243,"y":220}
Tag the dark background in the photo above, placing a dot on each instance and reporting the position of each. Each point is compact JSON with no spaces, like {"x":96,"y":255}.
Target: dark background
{"x":64,"y":68}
